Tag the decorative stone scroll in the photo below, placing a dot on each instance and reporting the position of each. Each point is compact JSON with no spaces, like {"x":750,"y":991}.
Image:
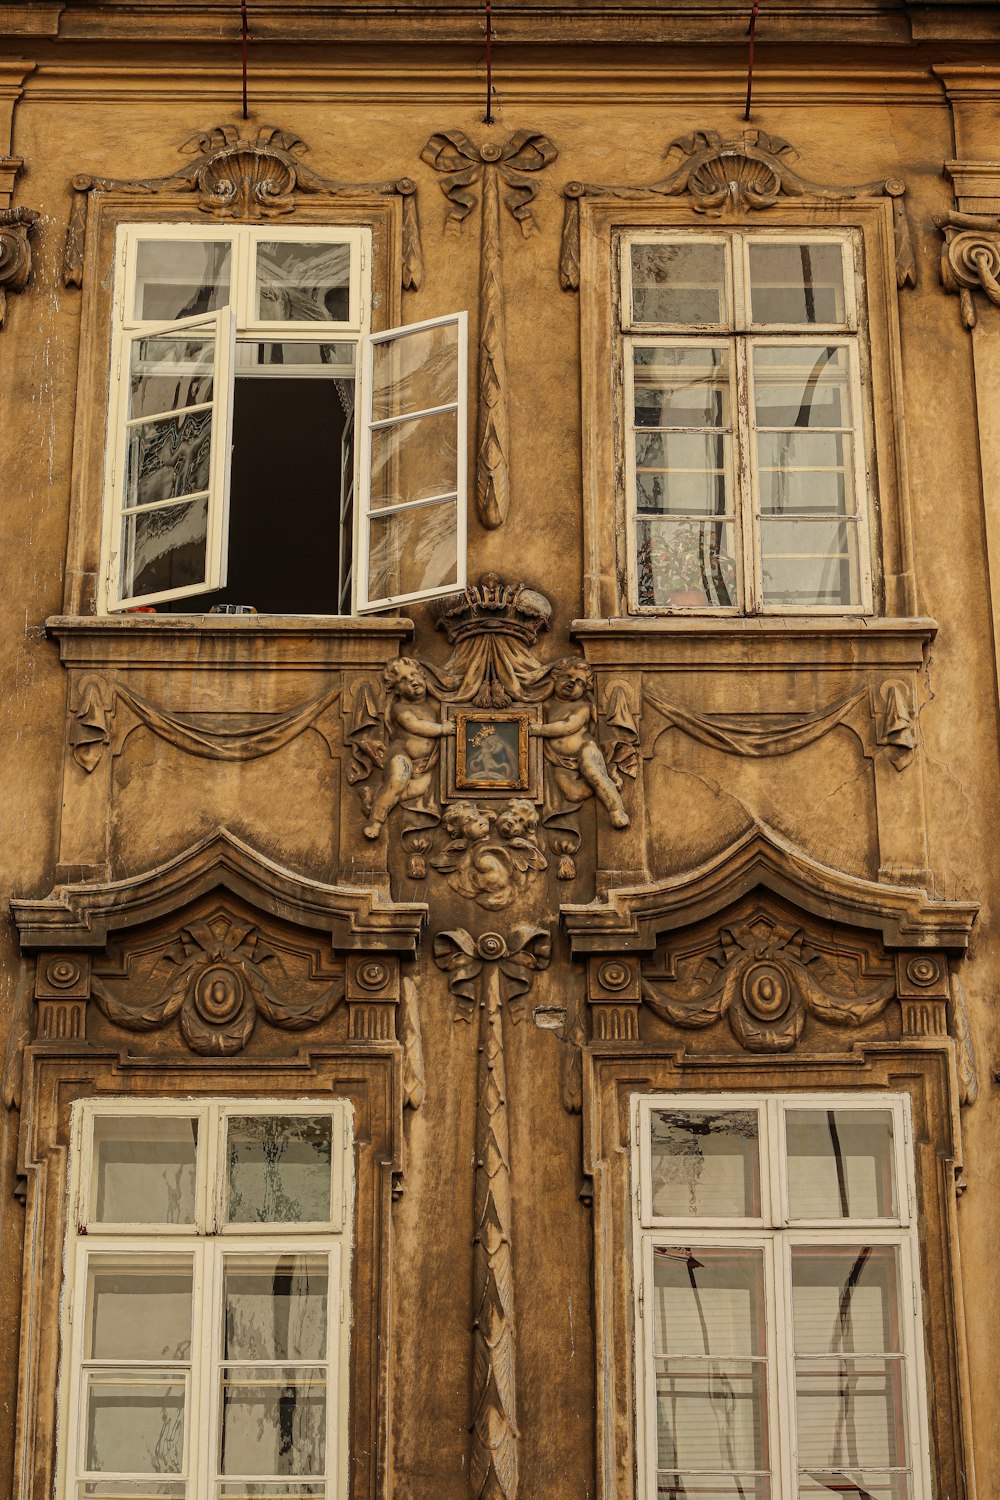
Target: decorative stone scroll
{"x":16,"y":225}
{"x":465,"y":165}
{"x":239,"y":177}
{"x":489,"y":750}
{"x":970,"y":259}
{"x":489,"y":973}
{"x":715,"y":175}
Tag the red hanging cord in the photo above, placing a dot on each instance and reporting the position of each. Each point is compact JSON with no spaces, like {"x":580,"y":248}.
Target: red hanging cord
{"x":488,"y":117}
{"x":243,"y":40}
{"x":751,"y":33}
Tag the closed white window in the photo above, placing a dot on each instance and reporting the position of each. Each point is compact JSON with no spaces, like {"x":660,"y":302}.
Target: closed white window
{"x":231,"y":471}
{"x":779,"y":1347}
{"x":745,"y":421}
{"x":205,"y":1311}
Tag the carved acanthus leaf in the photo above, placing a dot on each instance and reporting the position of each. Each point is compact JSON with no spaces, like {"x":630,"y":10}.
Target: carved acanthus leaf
{"x":716,"y":175}
{"x":242,"y":178}
{"x":414,"y":1080}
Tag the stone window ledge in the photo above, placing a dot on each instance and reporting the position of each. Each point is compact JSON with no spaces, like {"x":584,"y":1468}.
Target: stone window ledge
{"x":761,"y":642}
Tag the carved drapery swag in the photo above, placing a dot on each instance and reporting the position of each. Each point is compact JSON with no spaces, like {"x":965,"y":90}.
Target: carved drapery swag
{"x":970,"y":259}
{"x":465,"y":165}
{"x":715,"y":175}
{"x":488,"y":971}
{"x":90,"y":726}
{"x":236,"y":177}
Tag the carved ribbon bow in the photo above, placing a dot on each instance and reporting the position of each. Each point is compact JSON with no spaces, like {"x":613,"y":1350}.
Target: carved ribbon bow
{"x":518,"y":959}
{"x":463,"y":163}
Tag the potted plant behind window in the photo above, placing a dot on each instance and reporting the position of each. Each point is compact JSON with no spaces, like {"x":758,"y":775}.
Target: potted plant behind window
{"x":682,"y":566}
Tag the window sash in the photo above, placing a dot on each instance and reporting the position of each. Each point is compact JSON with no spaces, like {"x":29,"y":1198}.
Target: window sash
{"x":777,"y":1247}
{"x":750,"y":523}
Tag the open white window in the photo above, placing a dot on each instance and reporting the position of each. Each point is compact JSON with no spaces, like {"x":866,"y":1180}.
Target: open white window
{"x":206,"y":1310}
{"x":779,"y":1352}
{"x":232,"y":468}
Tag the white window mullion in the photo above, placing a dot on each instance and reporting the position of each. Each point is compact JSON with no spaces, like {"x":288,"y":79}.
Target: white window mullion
{"x":785,"y":1456}
{"x":748,"y":527}
{"x":202,"y":1431}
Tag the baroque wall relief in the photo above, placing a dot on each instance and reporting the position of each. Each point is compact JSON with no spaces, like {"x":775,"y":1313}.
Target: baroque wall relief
{"x":16,"y":226}
{"x":479,"y":767}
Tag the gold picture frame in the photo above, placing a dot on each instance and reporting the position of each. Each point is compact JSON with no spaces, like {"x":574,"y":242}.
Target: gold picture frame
{"x":492,"y":750}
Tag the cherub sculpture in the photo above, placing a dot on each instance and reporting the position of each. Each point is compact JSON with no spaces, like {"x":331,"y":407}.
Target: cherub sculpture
{"x":580,"y":768}
{"x":412,"y":736}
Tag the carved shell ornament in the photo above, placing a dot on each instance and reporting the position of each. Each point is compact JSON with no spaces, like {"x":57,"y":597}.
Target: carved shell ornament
{"x":767,"y":980}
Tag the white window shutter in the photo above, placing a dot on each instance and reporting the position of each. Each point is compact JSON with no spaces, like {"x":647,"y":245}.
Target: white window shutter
{"x":413,"y":476}
{"x":169,"y":524}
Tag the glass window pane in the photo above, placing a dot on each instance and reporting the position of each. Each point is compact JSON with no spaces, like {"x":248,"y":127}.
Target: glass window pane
{"x":846,"y":1299}
{"x":273,"y":1421}
{"x":796,"y":283}
{"x":144,"y":1169}
{"x":135,"y":1424}
{"x":414,"y":460}
{"x":169,"y":458}
{"x":271,"y":359}
{"x":276,"y":1307}
{"x":679,"y":281}
{"x":711,"y":1415}
{"x":809,"y":562}
{"x":681,"y":387}
{"x":164,"y":549}
{"x":686,"y":564}
{"x":138,"y":1310}
{"x":412,"y":550}
{"x":708,"y":1301}
{"x":415,"y":371}
{"x":850,"y":1413}
{"x":678,"y":473}
{"x":805,"y":472}
{"x":841,"y":1163}
{"x":302,"y":283}
{"x":132,"y":1489}
{"x":180,"y":278}
{"x":802,"y":385}
{"x":270,"y":1489}
{"x":168,"y":374}
{"x":279,"y":1169}
{"x":705,"y":1163}
{"x":714,"y":1487}
{"x":853,"y":1484}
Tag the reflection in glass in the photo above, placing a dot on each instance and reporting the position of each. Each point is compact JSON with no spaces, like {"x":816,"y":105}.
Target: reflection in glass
{"x":132,"y":1489}
{"x":415,"y":371}
{"x":273,"y":1421}
{"x":138,"y":1310}
{"x":164,"y":548}
{"x":276,"y":1307}
{"x":414,"y":460}
{"x":180,"y":278}
{"x":683,"y":473}
{"x":841,"y":1163}
{"x":169,"y":458}
{"x":673,"y":1486}
{"x":143,"y":1169}
{"x":272,"y":357}
{"x":686,"y":564}
{"x":708,"y":1302}
{"x":135,"y":1424}
{"x":169,"y":374}
{"x":803,"y":473}
{"x":279,"y":1169}
{"x":845,"y":1299}
{"x":412,"y":550}
{"x":705,"y":1163}
{"x":679,"y":282}
{"x":709,"y":1416}
{"x":852,"y":1484}
{"x":300,"y":282}
{"x":850,"y":1413}
{"x":796,"y":283}
{"x":270,"y":1489}
{"x":801,"y":385}
{"x":807,"y":562}
{"x":681,"y":387}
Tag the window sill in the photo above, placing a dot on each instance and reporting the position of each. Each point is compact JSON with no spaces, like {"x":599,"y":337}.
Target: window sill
{"x":269,"y":642}
{"x":760,"y":641}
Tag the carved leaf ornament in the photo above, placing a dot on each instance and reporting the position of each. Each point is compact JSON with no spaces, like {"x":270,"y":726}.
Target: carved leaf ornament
{"x":768,"y":981}
{"x":223,"y":976}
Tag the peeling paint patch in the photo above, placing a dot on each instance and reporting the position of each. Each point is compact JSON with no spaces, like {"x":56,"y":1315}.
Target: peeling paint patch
{"x":550,"y":1017}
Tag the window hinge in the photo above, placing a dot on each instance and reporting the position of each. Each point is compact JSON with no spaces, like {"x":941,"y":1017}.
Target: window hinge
{"x":362,"y":255}
{"x":916,"y":1305}
{"x":69,"y":1309}
{"x":343,"y":1303}
{"x":642,"y":1299}
{"x":343,"y":1208}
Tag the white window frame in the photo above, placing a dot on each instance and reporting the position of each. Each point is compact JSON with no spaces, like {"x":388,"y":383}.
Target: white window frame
{"x":364,"y":510}
{"x":247,"y":329}
{"x":741,"y":336}
{"x":776,"y":1233}
{"x":206,"y":1243}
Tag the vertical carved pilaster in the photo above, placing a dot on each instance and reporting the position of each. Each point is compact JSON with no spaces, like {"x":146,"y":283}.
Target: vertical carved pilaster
{"x":463,"y":165}
{"x":483,"y":973}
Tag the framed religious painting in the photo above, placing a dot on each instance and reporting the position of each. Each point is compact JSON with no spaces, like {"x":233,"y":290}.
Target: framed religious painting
{"x":493,"y":753}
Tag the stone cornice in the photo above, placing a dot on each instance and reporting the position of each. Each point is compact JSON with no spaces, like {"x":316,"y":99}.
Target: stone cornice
{"x":763,"y":643}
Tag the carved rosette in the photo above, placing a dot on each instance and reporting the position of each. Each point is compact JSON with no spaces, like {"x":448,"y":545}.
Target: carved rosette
{"x":487,"y":972}
{"x":970,"y":259}
{"x":717,"y":176}
{"x":465,"y":165}
{"x":243,"y":178}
